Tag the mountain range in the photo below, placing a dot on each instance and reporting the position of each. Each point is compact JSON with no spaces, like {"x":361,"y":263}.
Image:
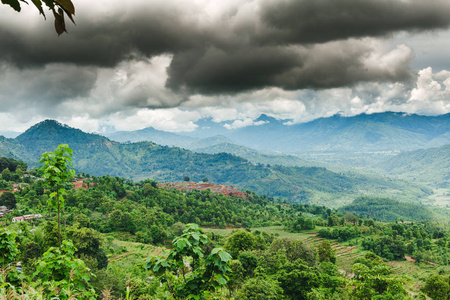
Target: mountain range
{"x":97,"y":155}
{"x":388,"y":131}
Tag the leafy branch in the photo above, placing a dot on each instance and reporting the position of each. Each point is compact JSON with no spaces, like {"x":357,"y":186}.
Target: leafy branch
{"x":59,"y":8}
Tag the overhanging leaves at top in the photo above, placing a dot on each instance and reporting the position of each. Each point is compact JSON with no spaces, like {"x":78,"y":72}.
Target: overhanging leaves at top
{"x":58,"y":7}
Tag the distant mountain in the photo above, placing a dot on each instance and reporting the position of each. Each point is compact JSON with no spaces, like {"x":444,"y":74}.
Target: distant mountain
{"x":9,"y":134}
{"x":256,"y":156}
{"x":375,"y":132}
{"x":358,"y":140}
{"x":213,"y":141}
{"x":207,"y":128}
{"x":430,"y":166}
{"x":97,"y":155}
{"x":152,"y":135}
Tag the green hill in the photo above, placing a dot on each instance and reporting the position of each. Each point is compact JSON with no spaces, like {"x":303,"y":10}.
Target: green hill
{"x":431,"y":166}
{"x":97,"y":155}
{"x":255,"y":156}
{"x":388,"y":210}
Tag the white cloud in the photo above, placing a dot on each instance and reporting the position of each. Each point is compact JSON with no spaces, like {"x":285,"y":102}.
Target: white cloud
{"x":83,"y":122}
{"x":132,"y":84}
{"x":432,"y":93}
{"x":243,"y":123}
{"x":171,"y":119}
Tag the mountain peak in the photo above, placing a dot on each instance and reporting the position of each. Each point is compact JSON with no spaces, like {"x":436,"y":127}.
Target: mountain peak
{"x":266,"y":118}
{"x":54,"y":133}
{"x":48,"y":126}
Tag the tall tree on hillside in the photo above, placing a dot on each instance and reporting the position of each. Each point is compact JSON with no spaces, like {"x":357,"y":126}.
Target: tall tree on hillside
{"x":57,"y":169}
{"x":6,"y":175}
{"x":8,"y":199}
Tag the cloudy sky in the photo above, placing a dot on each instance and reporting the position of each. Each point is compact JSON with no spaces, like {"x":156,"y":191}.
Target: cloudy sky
{"x":138,"y":63}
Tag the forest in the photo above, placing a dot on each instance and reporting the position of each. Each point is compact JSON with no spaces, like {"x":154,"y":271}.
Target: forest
{"x":120,"y":239}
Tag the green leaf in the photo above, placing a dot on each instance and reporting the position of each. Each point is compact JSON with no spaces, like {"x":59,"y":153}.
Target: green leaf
{"x":50,"y":4}
{"x":224,"y":256}
{"x":181,"y":244}
{"x":38,"y":4}
{"x":215,"y":250}
{"x":221,"y":279}
{"x":13,"y":3}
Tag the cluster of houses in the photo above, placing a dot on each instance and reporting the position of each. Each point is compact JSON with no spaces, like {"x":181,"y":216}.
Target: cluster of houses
{"x":4,"y":211}
{"x":26,"y":218}
{"x":214,"y":188}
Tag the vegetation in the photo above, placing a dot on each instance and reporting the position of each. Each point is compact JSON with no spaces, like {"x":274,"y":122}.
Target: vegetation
{"x":57,"y":170}
{"x":98,"y":156}
{"x":426,"y":165}
{"x":198,"y":277}
{"x":385,"y":209}
{"x":110,"y":225}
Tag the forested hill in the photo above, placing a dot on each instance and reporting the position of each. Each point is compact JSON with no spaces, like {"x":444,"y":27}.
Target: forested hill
{"x":428,"y":165}
{"x":47,"y":135}
{"x":389,"y":210}
{"x":98,"y":155}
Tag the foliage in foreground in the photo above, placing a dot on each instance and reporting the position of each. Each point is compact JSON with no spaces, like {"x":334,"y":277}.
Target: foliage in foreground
{"x":58,"y":8}
{"x":196,"y":277}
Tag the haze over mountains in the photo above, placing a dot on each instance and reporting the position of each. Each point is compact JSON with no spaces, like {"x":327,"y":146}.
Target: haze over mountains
{"x":359,"y":141}
{"x":97,"y":155}
{"x":375,"y":132}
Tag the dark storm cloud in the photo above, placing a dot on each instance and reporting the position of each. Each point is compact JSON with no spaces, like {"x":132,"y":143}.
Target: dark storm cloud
{"x":328,"y":65}
{"x":274,"y":43}
{"x":47,"y":86}
{"x":103,"y":40}
{"x":305,"y":21}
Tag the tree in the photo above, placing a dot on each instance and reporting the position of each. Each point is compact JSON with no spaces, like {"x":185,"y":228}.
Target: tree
{"x":60,"y":268}
{"x":8,"y":247}
{"x":373,"y":279}
{"x":51,"y":234}
{"x":236,"y":277}
{"x":58,"y":8}
{"x":192,"y":281}
{"x":260,"y":289}
{"x":8,"y":255}
{"x":249,"y":262}
{"x":6,"y":175}
{"x":437,"y":287}
{"x":298,"y":279}
{"x":57,"y":170}
{"x":88,"y":242}
{"x":325,"y":252}
{"x":240,"y":241}
{"x":8,"y":199}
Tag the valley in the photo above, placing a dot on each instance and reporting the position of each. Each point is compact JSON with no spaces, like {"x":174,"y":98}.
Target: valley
{"x":305,"y":225}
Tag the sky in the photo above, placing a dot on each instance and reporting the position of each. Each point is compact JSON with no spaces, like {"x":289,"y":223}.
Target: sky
{"x":127,"y":65}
